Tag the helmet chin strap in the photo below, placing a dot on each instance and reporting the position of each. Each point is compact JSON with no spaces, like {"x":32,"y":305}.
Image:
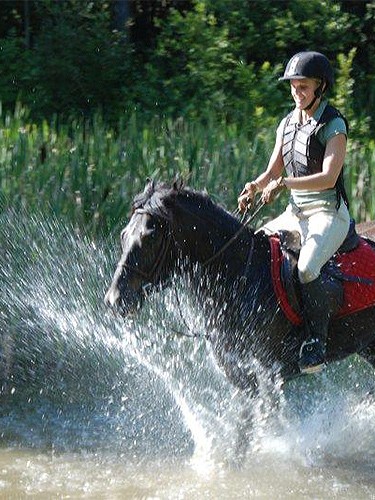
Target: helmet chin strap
{"x":317,"y":94}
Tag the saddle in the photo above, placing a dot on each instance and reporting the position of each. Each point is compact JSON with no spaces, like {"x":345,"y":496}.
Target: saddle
{"x":353,"y":265}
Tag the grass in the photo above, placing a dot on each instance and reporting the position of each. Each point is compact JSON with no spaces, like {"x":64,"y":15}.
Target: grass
{"x":88,"y":173}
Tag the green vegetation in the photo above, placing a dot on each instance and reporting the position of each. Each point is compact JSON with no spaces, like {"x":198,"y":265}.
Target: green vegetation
{"x":88,"y":172}
{"x":187,"y":87}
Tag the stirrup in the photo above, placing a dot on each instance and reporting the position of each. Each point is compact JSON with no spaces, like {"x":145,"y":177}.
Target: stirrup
{"x":311,"y":356}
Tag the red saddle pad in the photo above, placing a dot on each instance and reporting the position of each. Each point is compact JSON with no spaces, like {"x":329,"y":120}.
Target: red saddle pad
{"x":359,"y":263}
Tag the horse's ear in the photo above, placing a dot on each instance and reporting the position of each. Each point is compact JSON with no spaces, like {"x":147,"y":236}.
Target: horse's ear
{"x":150,"y":184}
{"x":178,"y":183}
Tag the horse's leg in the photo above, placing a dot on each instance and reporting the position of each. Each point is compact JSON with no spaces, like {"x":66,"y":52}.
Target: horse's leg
{"x":369,"y":355}
{"x":6,"y":359}
{"x":260,"y":402}
{"x":244,"y":425}
{"x":243,"y":430}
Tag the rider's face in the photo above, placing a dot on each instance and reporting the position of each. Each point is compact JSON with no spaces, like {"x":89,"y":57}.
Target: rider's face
{"x":303,"y":91}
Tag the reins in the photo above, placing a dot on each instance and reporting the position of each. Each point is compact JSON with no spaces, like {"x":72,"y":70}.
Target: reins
{"x":243,"y":279}
{"x":258,"y":206}
{"x":158,"y":264}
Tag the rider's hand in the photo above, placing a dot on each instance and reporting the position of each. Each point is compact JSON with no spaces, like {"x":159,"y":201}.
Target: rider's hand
{"x":247,"y":196}
{"x":272,"y":190}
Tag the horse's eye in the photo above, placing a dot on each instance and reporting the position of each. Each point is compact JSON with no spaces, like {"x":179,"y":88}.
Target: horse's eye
{"x":150,"y":232}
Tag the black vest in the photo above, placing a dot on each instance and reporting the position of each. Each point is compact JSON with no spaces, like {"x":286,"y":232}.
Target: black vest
{"x":302,"y":151}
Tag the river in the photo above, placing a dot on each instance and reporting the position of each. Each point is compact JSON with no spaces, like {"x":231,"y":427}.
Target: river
{"x":93,"y":406}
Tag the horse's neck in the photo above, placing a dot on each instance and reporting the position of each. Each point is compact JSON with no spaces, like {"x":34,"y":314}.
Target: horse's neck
{"x":200,"y":237}
{"x":222,"y":250}
{"x":239,"y":284}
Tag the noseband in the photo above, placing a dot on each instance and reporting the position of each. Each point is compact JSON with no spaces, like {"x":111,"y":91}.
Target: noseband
{"x":153,"y":274}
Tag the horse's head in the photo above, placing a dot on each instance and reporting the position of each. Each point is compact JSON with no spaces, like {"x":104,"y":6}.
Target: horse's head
{"x":173,"y":228}
{"x":147,"y":251}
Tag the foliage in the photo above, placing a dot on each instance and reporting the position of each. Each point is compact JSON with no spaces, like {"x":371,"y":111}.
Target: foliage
{"x":186,"y":87}
{"x":186,"y":58}
{"x":187,"y":70}
{"x":78,"y":63}
{"x":365,"y":67}
{"x":197,"y":72}
{"x":16,"y":71}
{"x":88,"y":173}
{"x":273,"y":31}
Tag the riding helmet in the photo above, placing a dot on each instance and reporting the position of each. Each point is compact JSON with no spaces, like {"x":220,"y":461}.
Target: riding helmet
{"x":309,"y":64}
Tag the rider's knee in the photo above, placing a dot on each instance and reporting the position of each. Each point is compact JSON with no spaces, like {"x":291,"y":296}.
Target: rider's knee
{"x":307,"y":274}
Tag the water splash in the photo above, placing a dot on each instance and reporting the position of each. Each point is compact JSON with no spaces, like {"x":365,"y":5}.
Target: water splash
{"x":75,"y":377}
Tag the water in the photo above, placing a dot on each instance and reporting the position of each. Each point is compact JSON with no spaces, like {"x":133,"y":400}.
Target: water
{"x":93,"y":406}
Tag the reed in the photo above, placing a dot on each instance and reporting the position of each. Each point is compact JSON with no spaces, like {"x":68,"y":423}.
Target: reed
{"x":88,"y":172}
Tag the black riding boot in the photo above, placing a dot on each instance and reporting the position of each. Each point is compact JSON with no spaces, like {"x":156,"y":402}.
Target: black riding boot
{"x":321,"y":299}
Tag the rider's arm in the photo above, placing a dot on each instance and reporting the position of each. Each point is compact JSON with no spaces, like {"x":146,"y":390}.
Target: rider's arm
{"x":273,"y":171}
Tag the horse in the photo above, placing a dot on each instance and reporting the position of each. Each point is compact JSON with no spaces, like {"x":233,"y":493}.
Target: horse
{"x":176,"y":230}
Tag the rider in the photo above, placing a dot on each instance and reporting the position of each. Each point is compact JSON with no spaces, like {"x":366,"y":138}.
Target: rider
{"x":310,"y":145}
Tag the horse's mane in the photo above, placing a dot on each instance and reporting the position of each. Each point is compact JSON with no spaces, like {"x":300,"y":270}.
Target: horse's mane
{"x":159,"y":199}
{"x":153,"y":198}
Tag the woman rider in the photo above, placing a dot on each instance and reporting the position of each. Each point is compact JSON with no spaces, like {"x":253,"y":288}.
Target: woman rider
{"x":310,"y":145}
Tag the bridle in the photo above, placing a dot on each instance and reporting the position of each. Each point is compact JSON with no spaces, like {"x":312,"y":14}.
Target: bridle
{"x":150,"y":277}
{"x":153,"y":274}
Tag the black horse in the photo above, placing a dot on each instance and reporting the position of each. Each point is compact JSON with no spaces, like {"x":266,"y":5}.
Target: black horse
{"x":178,"y":230}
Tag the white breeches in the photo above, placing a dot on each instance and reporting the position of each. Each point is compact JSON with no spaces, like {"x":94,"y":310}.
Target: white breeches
{"x":323,"y":229}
